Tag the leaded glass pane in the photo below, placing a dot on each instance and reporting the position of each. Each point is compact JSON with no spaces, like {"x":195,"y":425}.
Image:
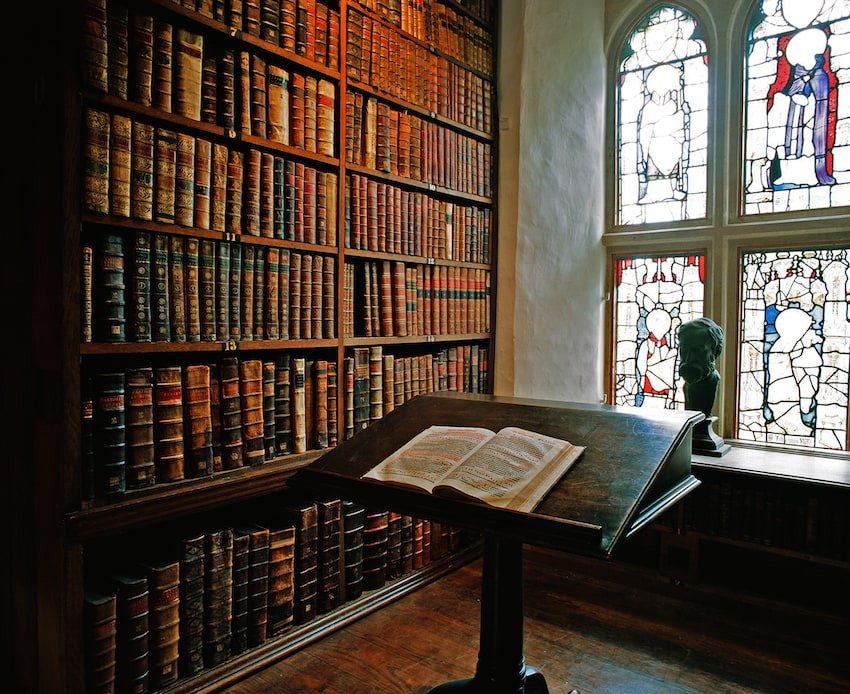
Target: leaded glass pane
{"x":663,"y":120}
{"x":797,"y":149}
{"x":795,"y":348}
{"x":653,"y":297}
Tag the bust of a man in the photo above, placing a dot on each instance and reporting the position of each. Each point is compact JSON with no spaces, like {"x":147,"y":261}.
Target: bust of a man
{"x":700,"y":344}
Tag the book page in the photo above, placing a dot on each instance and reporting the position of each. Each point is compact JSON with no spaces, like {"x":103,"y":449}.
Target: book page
{"x":430,"y":456}
{"x":514,"y":469}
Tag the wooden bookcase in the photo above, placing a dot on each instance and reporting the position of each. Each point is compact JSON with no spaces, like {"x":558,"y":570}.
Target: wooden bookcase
{"x":412,"y":217}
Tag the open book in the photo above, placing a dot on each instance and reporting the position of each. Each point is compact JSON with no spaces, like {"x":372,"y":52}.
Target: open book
{"x":513,"y":468}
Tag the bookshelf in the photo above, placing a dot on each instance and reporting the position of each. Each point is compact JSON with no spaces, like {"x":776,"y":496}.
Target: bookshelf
{"x":277,"y":223}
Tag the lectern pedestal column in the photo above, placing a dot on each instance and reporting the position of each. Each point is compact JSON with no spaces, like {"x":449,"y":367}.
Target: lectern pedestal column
{"x":501,"y":665}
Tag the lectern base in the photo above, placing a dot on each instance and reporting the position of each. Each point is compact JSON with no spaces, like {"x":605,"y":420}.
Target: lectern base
{"x":532,"y":683}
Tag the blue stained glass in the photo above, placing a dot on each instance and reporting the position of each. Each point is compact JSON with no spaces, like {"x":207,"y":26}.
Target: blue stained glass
{"x":796,"y":150}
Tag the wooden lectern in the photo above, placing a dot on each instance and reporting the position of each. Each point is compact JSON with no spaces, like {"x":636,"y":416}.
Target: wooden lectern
{"x":636,"y":465}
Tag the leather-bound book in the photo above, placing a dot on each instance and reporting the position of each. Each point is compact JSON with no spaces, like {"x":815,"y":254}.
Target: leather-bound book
{"x":278,"y":193}
{"x":141,"y":58}
{"x":353,"y":524}
{"x":87,"y":450}
{"x":165,"y":179}
{"x":320,"y":403}
{"x":184,"y":196}
{"x":239,"y":589}
{"x":283,"y":287}
{"x":299,"y":415}
{"x":118,"y":49}
{"x":191,"y":556}
{"x":133,"y":632}
{"x":282,"y":402}
{"x":109,"y":433}
{"x":251,"y":17}
{"x":290,"y":199}
{"x":348,"y":397}
{"x":376,"y":383}
{"x":281,"y":581}
{"x":259,"y":97}
{"x":393,"y":545}
{"x":215,"y":416}
{"x":270,"y":21}
{"x":236,"y":15}
{"x":209,"y":89}
{"x":96,"y":141}
{"x":333,"y":404}
{"x":426,"y":542}
{"x":142,"y":181}
{"x":295,"y":291}
{"x":177,"y":289}
{"x":164,"y":622}
{"x":100,"y":624}
{"x":328,"y":295}
{"x":203,"y":183}
{"x":259,"y":297}
{"x":249,"y":254}
{"x":231,"y":415}
{"x":222,"y":289}
{"x":235,"y":286}
{"x":297,"y":110}
{"x":198,"y":420}
{"x":252,"y":190}
{"x":361,"y":388}
{"x":168,"y":427}
{"x":163,"y":64}
{"x":251,"y":387}
{"x":269,"y":409}
{"x":329,"y":589}
{"x":278,"y":104}
{"x":208,"y":298}
{"x":317,"y":287}
{"x":311,"y":123}
{"x":375,"y":533}
{"x":234,"y":197}
{"x":304,"y":516}
{"x":417,"y":560}
{"x":406,"y":544}
{"x":227,"y":90}
{"x":139,"y":417}
{"x":333,"y":39}
{"x":267,"y":199}
{"x":95,"y":46}
{"x":192,"y":281}
{"x":188,"y":73}
{"x":139,"y":285}
{"x":287,"y":24}
{"x":320,"y":44}
{"x":243,"y":75}
{"x":160,"y":301}
{"x":258,"y":583}
{"x":120,"y":164}
{"x":218,"y":595}
{"x":308,"y":218}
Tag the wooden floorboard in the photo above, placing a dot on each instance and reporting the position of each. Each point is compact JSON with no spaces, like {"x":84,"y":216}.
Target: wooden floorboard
{"x":597,"y":627}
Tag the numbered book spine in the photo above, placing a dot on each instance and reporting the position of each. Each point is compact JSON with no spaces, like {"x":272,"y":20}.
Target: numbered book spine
{"x":198,"y":418}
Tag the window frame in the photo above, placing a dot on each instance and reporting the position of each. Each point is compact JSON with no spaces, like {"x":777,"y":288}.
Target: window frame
{"x":725,"y":233}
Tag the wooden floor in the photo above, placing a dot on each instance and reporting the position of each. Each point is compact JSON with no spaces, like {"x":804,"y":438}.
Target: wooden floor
{"x":589,"y":626}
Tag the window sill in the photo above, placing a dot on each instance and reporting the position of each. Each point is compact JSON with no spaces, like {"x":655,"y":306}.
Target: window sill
{"x":823,"y":469}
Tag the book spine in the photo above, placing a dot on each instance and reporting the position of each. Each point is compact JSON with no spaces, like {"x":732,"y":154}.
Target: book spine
{"x":329,"y":595}
{"x":168,"y":429}
{"x":166,"y":176}
{"x":258,"y":585}
{"x":198,"y":417}
{"x":109,"y":424}
{"x":188,"y":73}
{"x":281,"y":584}
{"x":100,"y":636}
{"x":239,"y":590}
{"x":120,"y":164}
{"x":132,"y":649}
{"x":283,"y":414}
{"x":251,"y":371}
{"x":375,"y":532}
{"x":248,"y":290}
{"x":163,"y":68}
{"x":139,"y":411}
{"x":192,"y":281}
{"x":299,"y":423}
{"x":141,"y":187}
{"x":177,"y":289}
{"x":184,"y":196}
{"x":164,"y":623}
{"x":203,"y":183}
{"x":269,"y":434}
{"x":231,"y":415}
{"x":191,"y":645}
{"x":218,"y":595}
{"x":272,"y":294}
{"x":141,"y":58}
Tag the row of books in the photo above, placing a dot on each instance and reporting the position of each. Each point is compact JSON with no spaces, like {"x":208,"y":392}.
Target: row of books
{"x":817,"y":522}
{"x":177,"y":71}
{"x":207,"y":594}
{"x":383,"y":217}
{"x":394,"y":299}
{"x":386,"y":139}
{"x":148,"y":425}
{"x":431,"y":23}
{"x":428,"y":80}
{"x":153,"y":173}
{"x":376,"y":382}
{"x":151,"y":287}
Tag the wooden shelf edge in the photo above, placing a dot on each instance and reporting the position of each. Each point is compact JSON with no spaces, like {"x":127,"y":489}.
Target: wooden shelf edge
{"x":184,"y":498}
{"x":283,"y":645}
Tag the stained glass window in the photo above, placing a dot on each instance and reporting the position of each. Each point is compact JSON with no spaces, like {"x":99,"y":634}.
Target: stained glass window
{"x":797,"y":150}
{"x":662,"y":120}
{"x":653,"y":297}
{"x":795,"y":348}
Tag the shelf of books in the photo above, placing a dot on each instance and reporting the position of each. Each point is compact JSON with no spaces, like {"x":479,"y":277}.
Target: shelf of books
{"x":287,"y":228}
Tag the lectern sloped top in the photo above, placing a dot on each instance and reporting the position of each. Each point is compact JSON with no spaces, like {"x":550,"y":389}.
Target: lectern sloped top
{"x":636,"y":464}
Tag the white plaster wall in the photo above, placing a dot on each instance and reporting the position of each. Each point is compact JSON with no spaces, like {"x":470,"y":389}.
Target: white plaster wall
{"x":549,"y":323}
